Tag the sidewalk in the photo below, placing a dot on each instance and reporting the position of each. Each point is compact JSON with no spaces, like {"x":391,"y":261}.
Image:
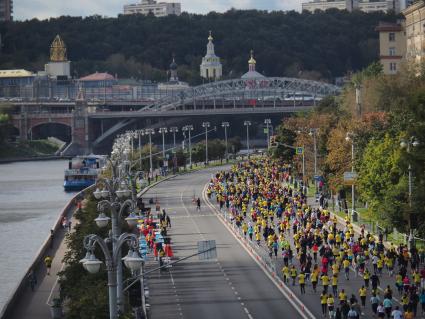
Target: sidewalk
{"x":33,"y":304}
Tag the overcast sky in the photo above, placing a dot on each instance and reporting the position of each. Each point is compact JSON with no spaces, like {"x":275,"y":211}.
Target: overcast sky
{"x":28,"y":9}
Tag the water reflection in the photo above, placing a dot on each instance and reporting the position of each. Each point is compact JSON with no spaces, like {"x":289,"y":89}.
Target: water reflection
{"x":31,"y":199}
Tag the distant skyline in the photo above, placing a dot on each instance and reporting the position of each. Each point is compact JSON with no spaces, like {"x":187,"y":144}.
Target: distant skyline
{"x":43,"y":9}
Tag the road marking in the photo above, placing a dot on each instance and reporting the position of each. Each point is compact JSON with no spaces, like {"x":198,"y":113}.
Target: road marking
{"x":292,"y":299}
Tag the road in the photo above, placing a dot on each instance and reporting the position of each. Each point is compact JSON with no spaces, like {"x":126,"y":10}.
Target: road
{"x":233,"y":286}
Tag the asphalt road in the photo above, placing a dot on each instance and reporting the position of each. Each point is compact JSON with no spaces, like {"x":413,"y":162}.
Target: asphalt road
{"x":232,"y":286}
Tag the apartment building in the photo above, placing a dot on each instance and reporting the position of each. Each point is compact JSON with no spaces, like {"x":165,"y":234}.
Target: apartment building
{"x":158,"y":9}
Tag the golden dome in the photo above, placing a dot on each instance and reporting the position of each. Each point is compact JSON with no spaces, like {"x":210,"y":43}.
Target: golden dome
{"x":252,"y":60}
{"x":58,"y":50}
{"x":210,"y":38}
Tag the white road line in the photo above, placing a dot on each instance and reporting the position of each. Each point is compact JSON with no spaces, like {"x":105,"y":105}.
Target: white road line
{"x":292,"y":298}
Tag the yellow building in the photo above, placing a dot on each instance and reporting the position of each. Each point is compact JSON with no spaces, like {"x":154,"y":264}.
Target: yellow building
{"x":415,"y":31}
{"x":392,"y":45}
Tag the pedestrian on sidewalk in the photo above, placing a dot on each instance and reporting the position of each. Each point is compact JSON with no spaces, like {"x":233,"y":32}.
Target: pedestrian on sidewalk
{"x":48,"y":262}
{"x":32,"y":279}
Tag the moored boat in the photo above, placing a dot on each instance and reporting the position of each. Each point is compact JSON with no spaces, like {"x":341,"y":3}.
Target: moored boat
{"x":83,"y":171}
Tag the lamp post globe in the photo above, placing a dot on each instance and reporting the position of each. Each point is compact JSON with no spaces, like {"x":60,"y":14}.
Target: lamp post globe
{"x":105,"y":193}
{"x":92,"y":265}
{"x":132,"y":219}
{"x":102,"y":220}
{"x":133,"y":261}
{"x":97,"y":194}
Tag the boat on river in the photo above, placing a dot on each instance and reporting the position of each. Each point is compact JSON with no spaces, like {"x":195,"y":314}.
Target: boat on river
{"x":83,"y":171}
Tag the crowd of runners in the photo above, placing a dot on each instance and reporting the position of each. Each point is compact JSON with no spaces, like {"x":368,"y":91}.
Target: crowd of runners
{"x":270,"y":208}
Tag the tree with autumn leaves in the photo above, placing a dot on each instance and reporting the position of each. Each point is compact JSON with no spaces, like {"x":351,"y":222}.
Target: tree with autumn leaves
{"x":393,"y":109}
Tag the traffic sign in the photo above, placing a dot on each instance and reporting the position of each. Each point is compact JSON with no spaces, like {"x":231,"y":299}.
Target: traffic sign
{"x":266,"y":130}
{"x":350,"y":178}
{"x":207,"y":249}
{"x":300,"y":150}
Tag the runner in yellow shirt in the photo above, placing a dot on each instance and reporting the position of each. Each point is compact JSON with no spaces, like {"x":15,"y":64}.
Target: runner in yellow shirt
{"x":301,"y":281}
{"x":325,"y":282}
{"x":363,"y":294}
{"x":323,"y":302}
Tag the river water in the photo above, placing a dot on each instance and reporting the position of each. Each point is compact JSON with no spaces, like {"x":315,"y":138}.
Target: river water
{"x":31,"y":199}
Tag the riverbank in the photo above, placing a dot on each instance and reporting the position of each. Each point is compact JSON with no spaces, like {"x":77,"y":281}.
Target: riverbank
{"x":27,"y":151}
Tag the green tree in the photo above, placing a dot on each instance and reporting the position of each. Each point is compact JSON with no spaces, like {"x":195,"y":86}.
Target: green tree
{"x":284,"y":136}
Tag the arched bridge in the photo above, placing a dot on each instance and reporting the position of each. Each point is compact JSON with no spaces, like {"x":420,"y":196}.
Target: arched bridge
{"x":255,"y":89}
{"x":253,"y":95}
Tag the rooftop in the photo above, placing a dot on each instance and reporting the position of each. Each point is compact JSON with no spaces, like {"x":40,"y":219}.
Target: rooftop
{"x":98,"y":77}
{"x":19,"y":73}
{"x":388,"y":27}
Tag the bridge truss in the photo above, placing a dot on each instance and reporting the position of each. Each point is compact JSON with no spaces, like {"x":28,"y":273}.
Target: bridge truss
{"x":254,"y":89}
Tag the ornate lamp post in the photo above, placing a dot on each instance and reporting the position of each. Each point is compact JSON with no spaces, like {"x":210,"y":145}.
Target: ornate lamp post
{"x":92,"y":264}
{"x":225,"y":125}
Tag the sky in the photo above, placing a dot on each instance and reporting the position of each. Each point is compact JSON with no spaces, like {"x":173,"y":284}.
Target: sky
{"x":42,"y":9}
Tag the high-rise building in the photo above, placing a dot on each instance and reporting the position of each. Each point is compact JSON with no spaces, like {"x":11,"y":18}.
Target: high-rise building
{"x":392,"y":45}
{"x":415,"y":32}
{"x":6,"y":10}
{"x":211,"y":67}
{"x":158,"y":9}
{"x":350,"y":5}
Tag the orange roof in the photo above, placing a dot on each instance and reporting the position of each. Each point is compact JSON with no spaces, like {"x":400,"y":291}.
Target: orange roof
{"x":98,"y":77}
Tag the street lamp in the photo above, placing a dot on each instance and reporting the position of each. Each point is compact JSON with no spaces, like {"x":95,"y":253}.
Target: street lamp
{"x":226,"y":125}
{"x":350,"y":138}
{"x":247,"y":124}
{"x":313,"y":132}
{"x":150,"y":132}
{"x":206,"y":125}
{"x":140,"y":133}
{"x":92,"y":264}
{"x":162,"y":131}
{"x":189,"y":129}
{"x":174,"y":130}
{"x":268,"y":122}
{"x":412,"y":142}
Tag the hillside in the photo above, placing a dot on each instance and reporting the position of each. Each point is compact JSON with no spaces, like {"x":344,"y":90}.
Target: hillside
{"x":322,"y":45}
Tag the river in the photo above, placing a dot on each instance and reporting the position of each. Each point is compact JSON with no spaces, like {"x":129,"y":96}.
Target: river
{"x":31,"y":199}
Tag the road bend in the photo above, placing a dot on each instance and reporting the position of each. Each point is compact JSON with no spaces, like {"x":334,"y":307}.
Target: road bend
{"x":232,"y":286}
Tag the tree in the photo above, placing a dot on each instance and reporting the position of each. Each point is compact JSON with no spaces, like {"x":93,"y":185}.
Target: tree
{"x":380,"y":177}
{"x":284,"y":136}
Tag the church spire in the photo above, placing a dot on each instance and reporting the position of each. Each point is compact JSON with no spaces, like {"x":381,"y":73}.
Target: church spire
{"x":252,"y":62}
{"x":211,"y":67}
{"x":173,"y":70}
{"x":58,"y":50}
